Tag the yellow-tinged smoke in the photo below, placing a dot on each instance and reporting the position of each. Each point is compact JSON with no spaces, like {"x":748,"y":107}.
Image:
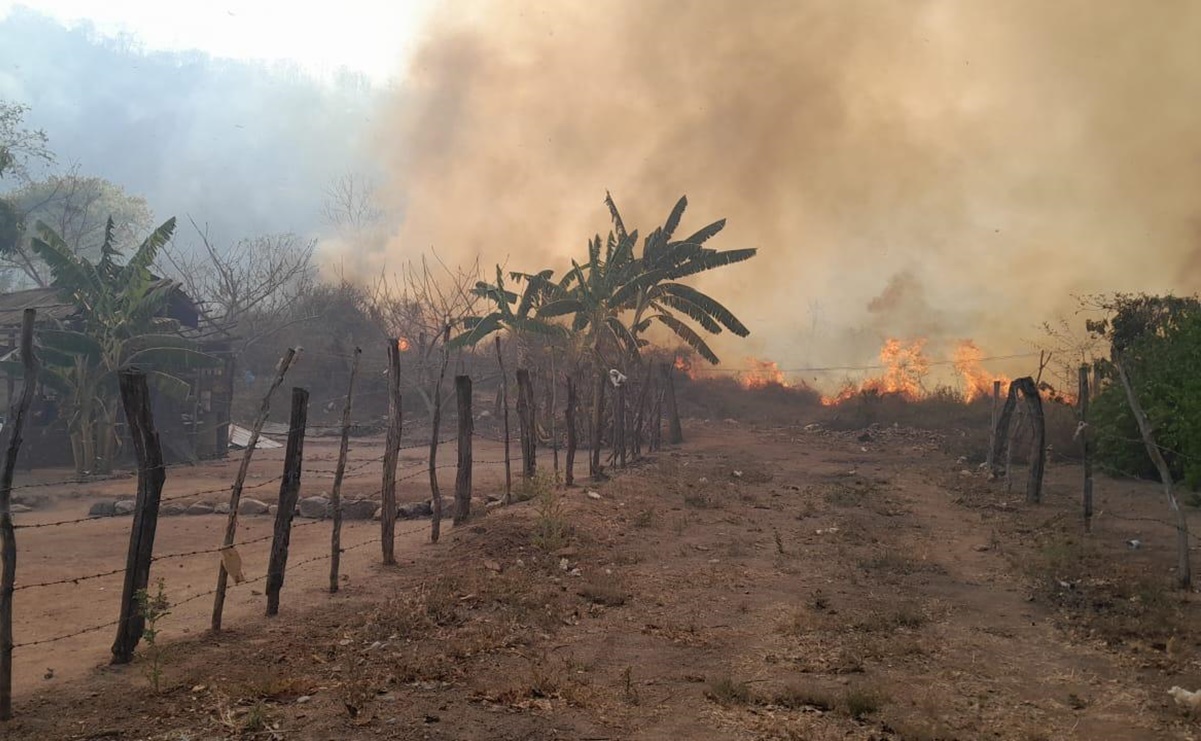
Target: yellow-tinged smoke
{"x":942,"y":169}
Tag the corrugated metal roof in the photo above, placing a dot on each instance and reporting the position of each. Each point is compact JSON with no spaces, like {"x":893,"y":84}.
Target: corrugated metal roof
{"x":48,"y":301}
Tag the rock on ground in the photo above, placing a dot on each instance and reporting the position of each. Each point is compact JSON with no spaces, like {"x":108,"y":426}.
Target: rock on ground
{"x":359,"y":509}
{"x":101,"y":509}
{"x":124,"y":507}
{"x":253,"y":507}
{"x":199,"y":508}
{"x":314,"y":508}
{"x":415,"y":510}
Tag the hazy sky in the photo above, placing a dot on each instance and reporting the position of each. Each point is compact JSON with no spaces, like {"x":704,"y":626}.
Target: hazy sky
{"x":369,"y":36}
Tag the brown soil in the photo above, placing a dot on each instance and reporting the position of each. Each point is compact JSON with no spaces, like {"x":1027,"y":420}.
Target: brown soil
{"x":776,"y":583}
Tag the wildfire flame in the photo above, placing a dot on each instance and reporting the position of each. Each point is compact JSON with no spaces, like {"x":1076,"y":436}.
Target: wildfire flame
{"x":402,"y":344}
{"x":977,"y":382}
{"x":905,"y":364}
{"x":762,"y":373}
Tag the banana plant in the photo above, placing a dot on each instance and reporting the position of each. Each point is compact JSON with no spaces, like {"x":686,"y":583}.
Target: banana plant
{"x":122,"y":322}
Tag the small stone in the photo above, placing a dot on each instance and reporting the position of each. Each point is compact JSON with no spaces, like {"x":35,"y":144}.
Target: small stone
{"x":303,"y":699}
{"x":592,"y":494}
{"x":124,"y":507}
{"x":221,"y":508}
{"x":492,"y":566}
{"x":199,"y":508}
{"x":19,"y":508}
{"x":171,"y":509}
{"x":415,"y":510}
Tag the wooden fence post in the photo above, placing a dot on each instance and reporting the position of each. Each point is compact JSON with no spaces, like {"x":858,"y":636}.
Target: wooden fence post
{"x":572,"y":442}
{"x":289,"y":493}
{"x":526,"y":417}
{"x":675,"y":433}
{"x":387,"y":515}
{"x":335,"y":494}
{"x":436,"y":427}
{"x":8,"y":548}
{"x":135,"y":396}
{"x":1038,"y":441}
{"x":992,"y":425}
{"x":1001,"y":430}
{"x":235,"y":496}
{"x":656,"y":436}
{"x":504,"y":395}
{"x":1086,"y":447}
{"x":619,"y":424}
{"x":1184,"y":572}
{"x":598,"y":423}
{"x":466,"y":429}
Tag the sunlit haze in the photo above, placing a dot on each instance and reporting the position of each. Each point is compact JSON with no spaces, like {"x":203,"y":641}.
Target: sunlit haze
{"x":361,"y":35}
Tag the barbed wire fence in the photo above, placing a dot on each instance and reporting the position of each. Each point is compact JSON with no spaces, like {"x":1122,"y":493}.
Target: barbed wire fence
{"x":151,"y":476}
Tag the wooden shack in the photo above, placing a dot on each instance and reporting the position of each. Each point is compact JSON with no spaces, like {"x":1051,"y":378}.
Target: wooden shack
{"x":192,"y":429}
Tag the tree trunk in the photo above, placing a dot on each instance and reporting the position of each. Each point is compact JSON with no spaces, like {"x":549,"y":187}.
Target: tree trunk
{"x":289,"y":493}
{"x":466,"y":429}
{"x":1038,"y":440}
{"x":8,"y":540}
{"x":151,"y":475}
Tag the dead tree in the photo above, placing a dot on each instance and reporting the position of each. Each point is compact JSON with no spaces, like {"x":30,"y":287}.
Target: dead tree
{"x":135,"y":396}
{"x":1184,"y":575}
{"x":289,"y":494}
{"x":466,"y":429}
{"x":335,"y":494}
{"x":8,"y":549}
{"x":235,"y":496}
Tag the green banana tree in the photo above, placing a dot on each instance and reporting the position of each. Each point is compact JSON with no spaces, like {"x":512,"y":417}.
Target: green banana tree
{"x":516,"y":313}
{"x":121,"y":323}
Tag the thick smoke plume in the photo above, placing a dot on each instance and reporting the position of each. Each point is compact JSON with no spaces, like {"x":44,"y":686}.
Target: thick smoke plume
{"x":947,"y":169}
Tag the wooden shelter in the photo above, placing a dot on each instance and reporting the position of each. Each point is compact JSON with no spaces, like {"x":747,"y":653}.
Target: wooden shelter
{"x":191,"y":429}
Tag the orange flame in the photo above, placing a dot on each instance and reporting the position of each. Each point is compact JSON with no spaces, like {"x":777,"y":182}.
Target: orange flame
{"x":683,"y":365}
{"x":402,"y":344}
{"x":762,"y":373}
{"x":905,"y":365}
{"x":977,"y":382}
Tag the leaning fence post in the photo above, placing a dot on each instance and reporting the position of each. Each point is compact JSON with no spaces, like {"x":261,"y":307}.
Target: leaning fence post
{"x":463,"y":476}
{"x":598,"y":423}
{"x":8,"y":549}
{"x":135,"y":396}
{"x":619,"y":423}
{"x":335,"y":494}
{"x":387,"y":515}
{"x":235,"y":496}
{"x":504,"y":397}
{"x":289,"y":493}
{"x":435,"y":431}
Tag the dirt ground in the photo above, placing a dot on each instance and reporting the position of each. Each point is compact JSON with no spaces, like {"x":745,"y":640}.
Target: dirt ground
{"x":782,"y":583}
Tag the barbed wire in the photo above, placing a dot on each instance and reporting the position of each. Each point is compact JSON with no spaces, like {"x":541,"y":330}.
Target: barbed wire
{"x":210,"y":592}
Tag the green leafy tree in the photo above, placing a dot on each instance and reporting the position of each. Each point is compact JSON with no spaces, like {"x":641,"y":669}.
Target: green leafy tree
{"x":123,"y":323}
{"x":1158,"y":340}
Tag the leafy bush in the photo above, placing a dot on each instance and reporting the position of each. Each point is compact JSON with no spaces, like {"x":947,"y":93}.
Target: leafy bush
{"x":1158,"y":340}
